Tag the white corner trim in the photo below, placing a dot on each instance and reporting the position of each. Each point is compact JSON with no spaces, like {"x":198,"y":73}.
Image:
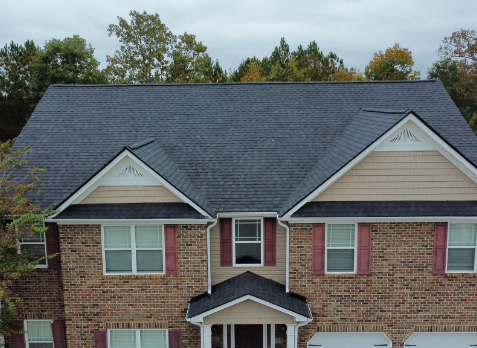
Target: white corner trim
{"x":91,"y":185}
{"x":287,"y":254}
{"x":448,"y":152}
{"x":200,"y":317}
{"x":209,"y":267}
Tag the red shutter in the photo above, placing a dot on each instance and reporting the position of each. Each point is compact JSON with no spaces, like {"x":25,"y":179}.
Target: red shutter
{"x":172,"y":259}
{"x":318,"y":252}
{"x":52,"y":245}
{"x":226,"y":242}
{"x":58,"y":330}
{"x":440,"y":246}
{"x":364,"y":248}
{"x":18,"y":341}
{"x":100,"y":339}
{"x":174,"y":339}
{"x":270,"y":241}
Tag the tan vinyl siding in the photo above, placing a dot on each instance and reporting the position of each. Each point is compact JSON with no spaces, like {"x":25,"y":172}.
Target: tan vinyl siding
{"x":249,"y":312}
{"x":402,"y":176}
{"x":219,"y":274}
{"x":131,"y":194}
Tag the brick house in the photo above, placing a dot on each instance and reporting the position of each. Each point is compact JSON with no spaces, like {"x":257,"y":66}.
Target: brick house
{"x":253,"y":215}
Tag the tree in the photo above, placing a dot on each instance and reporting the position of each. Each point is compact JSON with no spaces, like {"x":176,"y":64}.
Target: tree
{"x":348,"y":75}
{"x":395,"y":63}
{"x":16,"y":102}
{"x":19,"y":218}
{"x":67,"y":61}
{"x":253,"y":73}
{"x":143,"y":55}
{"x":461,"y":45}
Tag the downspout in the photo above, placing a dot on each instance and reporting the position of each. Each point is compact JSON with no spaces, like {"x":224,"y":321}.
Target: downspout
{"x":209,"y":275}
{"x":287,"y":254}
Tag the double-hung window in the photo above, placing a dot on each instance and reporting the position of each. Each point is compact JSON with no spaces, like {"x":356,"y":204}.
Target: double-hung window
{"x":461,"y":248}
{"x":133,"y":249}
{"x":38,"y":334}
{"x":35,"y":247}
{"x":248,"y":246}
{"x":341,"y":248}
{"x":137,"y":338}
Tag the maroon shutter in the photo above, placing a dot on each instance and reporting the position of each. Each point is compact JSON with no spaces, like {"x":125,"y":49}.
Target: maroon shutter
{"x":318,"y":252}
{"x":18,"y":341}
{"x":172,"y":262}
{"x":440,"y":246}
{"x":58,"y":330}
{"x":100,"y":339}
{"x":364,"y":248}
{"x":174,"y":339}
{"x":52,"y":245}
{"x":270,"y":241}
{"x":226,"y":242}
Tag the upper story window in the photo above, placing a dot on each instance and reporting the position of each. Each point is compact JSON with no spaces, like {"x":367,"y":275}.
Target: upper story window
{"x":137,"y":338}
{"x":248,"y":242}
{"x":38,"y":334}
{"x":35,"y":246}
{"x":133,"y":250}
{"x":341,"y":248}
{"x":461,"y":248}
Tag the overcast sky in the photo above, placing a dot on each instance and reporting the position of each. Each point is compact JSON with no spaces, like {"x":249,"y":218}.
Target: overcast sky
{"x":234,"y":30}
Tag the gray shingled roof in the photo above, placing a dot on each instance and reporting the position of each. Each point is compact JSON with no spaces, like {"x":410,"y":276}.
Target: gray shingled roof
{"x":388,"y":209}
{"x":248,"y":283}
{"x":234,"y":147}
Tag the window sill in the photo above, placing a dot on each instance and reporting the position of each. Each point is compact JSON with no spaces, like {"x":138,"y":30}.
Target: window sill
{"x":133,"y":276}
{"x":340,"y":275}
{"x":461,"y":275}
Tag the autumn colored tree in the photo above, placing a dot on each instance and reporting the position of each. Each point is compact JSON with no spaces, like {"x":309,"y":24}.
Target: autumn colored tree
{"x":253,"y":73}
{"x":19,"y":218}
{"x":348,"y":75}
{"x":395,"y":63}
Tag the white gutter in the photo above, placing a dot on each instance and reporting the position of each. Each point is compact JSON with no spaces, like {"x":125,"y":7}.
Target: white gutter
{"x":209,"y":274}
{"x":247,"y":214}
{"x":123,"y":221}
{"x":287,"y":262}
{"x":305,"y":220}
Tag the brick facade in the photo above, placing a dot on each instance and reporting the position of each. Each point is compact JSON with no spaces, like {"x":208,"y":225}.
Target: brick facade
{"x":400,"y":296}
{"x":94,"y":301}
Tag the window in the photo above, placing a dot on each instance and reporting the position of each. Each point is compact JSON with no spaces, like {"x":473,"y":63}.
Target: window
{"x":133,"y":249}
{"x":38,"y":334}
{"x":248,"y":248}
{"x":35,"y":246}
{"x":341,"y":248}
{"x":461,"y":247}
{"x":137,"y":338}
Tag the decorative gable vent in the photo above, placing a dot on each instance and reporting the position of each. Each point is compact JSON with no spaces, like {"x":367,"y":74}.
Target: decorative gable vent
{"x":406,"y":136}
{"x":130,"y":172}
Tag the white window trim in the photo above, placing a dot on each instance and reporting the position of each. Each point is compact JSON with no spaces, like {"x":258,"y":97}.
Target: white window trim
{"x":460,"y":247}
{"x":138,"y":336}
{"x":355,"y":248}
{"x":26,"y":332}
{"x":20,"y":243}
{"x":262,"y":244}
{"x":133,"y":252}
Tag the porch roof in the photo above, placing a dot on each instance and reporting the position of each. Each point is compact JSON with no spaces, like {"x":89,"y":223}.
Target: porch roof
{"x":248,"y":284}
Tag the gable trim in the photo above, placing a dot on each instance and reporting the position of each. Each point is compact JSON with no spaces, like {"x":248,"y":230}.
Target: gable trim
{"x":199,"y":318}
{"x":444,"y":148}
{"x":89,"y":185}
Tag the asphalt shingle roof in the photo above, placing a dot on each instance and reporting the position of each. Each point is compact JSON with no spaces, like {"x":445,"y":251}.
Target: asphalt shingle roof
{"x":248,"y":283}
{"x":388,"y":209}
{"x":234,"y":147}
{"x":130,"y":211}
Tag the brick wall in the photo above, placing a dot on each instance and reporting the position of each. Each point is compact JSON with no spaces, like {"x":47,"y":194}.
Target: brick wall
{"x":95,"y":301}
{"x":399,"y":297}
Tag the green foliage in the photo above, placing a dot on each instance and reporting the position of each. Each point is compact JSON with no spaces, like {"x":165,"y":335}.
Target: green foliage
{"x":395,"y":63}
{"x":19,"y":217}
{"x":67,"y":61}
{"x":16,"y":97}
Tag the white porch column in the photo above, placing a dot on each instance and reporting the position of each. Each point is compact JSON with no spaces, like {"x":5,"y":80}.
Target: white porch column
{"x":291,"y":336}
{"x":207,"y":336}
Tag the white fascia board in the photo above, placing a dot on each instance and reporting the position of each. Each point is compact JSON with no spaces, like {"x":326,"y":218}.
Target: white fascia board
{"x":129,"y":221}
{"x":91,"y":185}
{"x":200,"y":317}
{"x":330,"y":220}
{"x":247,"y":214}
{"x":453,"y":156}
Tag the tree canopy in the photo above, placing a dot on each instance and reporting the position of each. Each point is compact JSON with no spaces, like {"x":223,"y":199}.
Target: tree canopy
{"x":395,"y":63}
